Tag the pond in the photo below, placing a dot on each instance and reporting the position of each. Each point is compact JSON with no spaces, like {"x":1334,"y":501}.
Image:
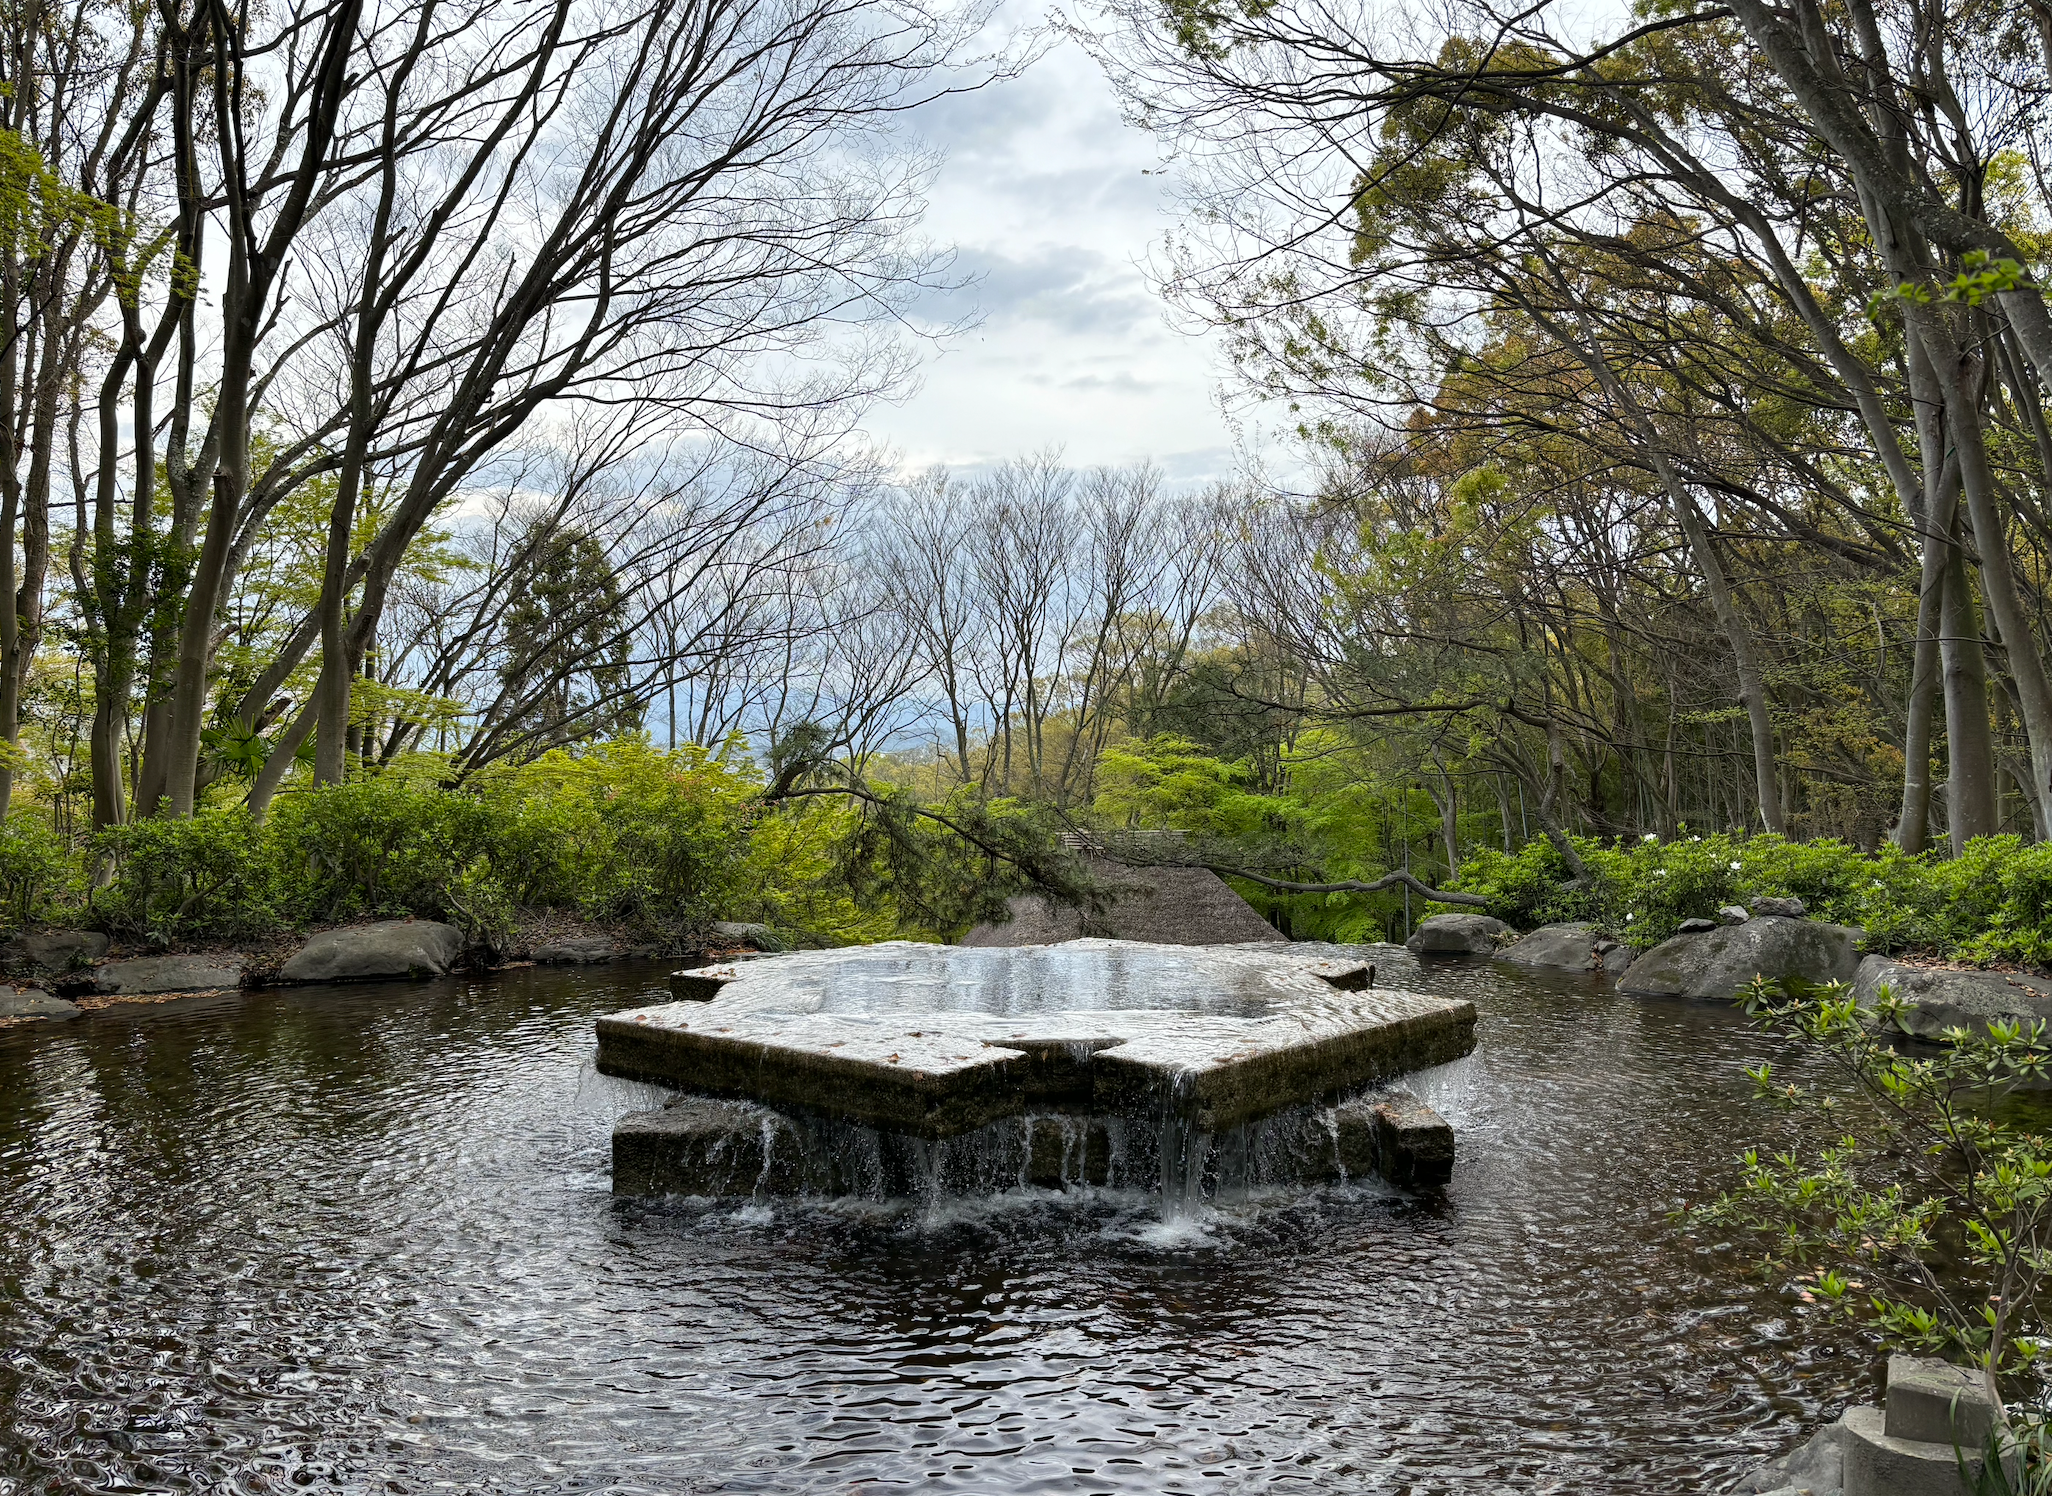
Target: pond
{"x":362,"y":1239}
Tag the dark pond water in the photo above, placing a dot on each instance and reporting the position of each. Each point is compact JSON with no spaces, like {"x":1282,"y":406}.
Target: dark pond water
{"x":361,"y":1239}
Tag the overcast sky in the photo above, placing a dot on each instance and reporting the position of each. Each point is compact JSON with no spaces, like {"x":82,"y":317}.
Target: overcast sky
{"x":1045,"y":197}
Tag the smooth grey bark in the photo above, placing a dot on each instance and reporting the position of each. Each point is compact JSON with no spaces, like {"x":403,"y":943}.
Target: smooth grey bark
{"x":1970,"y":778}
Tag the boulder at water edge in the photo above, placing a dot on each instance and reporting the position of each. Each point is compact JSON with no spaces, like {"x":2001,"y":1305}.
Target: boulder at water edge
{"x":727,"y":934}
{"x":1457,"y":935}
{"x":54,"y":950}
{"x":1717,"y":962}
{"x":146,"y":976}
{"x":1569,"y":947}
{"x":1939,"y":1000}
{"x":392,"y":948}
{"x":578,"y":950}
{"x":33,"y":1002}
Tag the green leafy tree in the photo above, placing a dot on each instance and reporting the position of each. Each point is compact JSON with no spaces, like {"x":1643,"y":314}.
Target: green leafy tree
{"x":566,"y":678}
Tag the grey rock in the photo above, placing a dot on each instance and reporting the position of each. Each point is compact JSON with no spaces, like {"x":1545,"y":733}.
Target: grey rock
{"x":1161,"y":905}
{"x":1566,"y":947}
{"x":392,"y":948}
{"x":1733,"y":914}
{"x":1939,"y":1000}
{"x":1458,"y":935}
{"x":1691,"y":926}
{"x":1877,"y":1464}
{"x":756,"y":937}
{"x":581,"y":950}
{"x":33,"y":1002}
{"x":144,"y":975}
{"x":1615,"y":958}
{"x":1935,"y":1402}
{"x":54,"y":950}
{"x":1817,"y":1464}
{"x":1790,"y":908}
{"x":1717,"y":962}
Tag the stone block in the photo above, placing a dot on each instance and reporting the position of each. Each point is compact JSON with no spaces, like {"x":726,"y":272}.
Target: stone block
{"x":1733,"y":914}
{"x":1935,"y":1402}
{"x":701,"y":984}
{"x":700,"y":1146}
{"x":1414,"y":1145}
{"x":1788,"y":908}
{"x":1879,"y":1465}
{"x":768,"y":1031}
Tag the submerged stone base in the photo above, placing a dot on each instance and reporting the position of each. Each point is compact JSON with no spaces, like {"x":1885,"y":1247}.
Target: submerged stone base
{"x":703,"y":1146}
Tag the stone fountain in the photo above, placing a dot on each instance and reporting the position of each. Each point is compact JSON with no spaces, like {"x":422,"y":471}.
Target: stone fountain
{"x":905,"y":1068}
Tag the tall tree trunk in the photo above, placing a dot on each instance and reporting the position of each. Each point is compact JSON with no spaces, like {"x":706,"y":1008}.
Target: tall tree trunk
{"x":2006,"y":607}
{"x":1970,"y":783}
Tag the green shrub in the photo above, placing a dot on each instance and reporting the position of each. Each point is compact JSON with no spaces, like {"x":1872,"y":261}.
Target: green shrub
{"x":35,"y":866}
{"x":1991,"y":903}
{"x":204,"y":876}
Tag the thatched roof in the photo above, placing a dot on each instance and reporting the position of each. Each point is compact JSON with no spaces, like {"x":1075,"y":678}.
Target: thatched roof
{"x":1165,"y":905}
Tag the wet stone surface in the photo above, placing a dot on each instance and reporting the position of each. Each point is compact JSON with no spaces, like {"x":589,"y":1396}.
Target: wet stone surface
{"x":937,"y":1041}
{"x":711,"y":1148}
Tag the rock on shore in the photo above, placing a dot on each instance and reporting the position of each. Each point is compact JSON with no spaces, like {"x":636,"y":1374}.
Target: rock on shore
{"x":1939,"y":999}
{"x":391,"y":948}
{"x":54,"y":950}
{"x":1717,"y":962}
{"x":145,"y":976}
{"x":1569,"y":947}
{"x":1458,"y":935}
{"x":33,"y":1002}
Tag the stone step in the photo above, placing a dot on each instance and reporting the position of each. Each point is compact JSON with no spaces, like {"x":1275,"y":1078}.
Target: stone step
{"x":1935,"y":1402}
{"x":1877,"y":1464}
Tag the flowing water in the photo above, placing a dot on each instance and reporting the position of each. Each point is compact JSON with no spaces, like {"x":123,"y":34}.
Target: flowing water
{"x":361,"y":1239}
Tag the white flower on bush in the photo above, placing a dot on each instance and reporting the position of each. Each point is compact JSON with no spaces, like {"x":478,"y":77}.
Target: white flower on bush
{"x":1655,"y":836}
{"x":1734,"y":867}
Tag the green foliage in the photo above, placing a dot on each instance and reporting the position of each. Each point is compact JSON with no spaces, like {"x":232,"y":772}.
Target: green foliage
{"x":34,"y":866}
{"x":661,"y":842}
{"x":1928,"y":1216}
{"x":208,"y":875}
{"x":946,"y":867}
{"x":1992,"y":903}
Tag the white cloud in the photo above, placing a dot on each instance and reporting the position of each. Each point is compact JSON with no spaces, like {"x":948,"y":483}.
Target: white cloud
{"x":1048,"y":195}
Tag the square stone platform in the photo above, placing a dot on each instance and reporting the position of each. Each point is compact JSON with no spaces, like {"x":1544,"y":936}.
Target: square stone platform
{"x":935,"y":1041}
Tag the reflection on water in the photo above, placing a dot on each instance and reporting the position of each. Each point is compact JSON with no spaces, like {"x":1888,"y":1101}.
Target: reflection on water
{"x":362,"y":1239}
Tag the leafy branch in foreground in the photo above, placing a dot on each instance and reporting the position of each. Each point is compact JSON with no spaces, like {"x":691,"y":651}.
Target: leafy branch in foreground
{"x":1929,"y":1219}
